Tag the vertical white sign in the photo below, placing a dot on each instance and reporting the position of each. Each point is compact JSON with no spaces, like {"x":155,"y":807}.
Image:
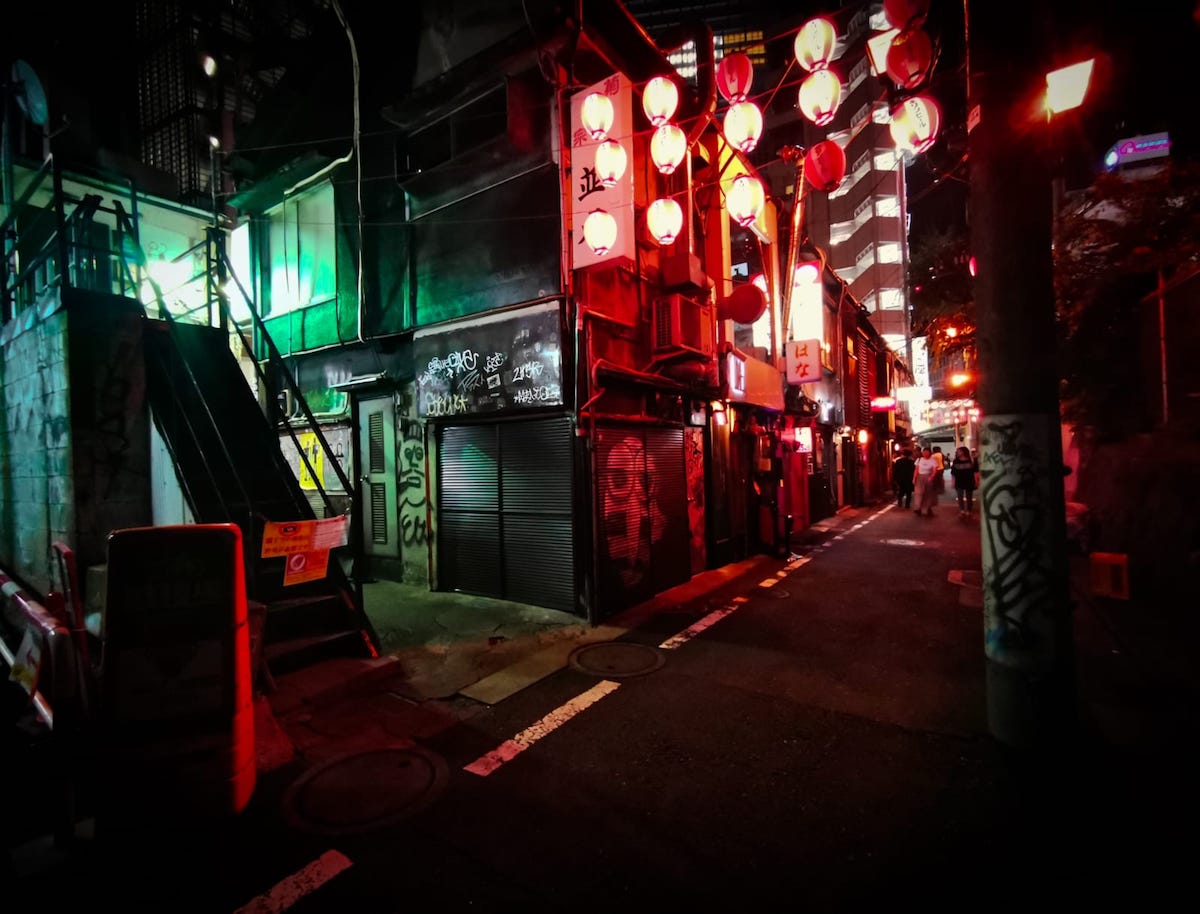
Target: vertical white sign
{"x":920,"y":362}
{"x":587,"y":193}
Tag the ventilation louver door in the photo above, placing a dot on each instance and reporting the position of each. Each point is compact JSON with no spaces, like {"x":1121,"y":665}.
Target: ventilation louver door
{"x":537,"y":497}
{"x":377,"y":447}
{"x":469,"y":510}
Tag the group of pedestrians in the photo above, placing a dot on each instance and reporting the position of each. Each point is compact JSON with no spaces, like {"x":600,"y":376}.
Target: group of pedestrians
{"x":922,"y":479}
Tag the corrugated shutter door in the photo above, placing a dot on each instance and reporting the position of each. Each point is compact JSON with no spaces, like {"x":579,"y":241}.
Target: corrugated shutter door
{"x":537,"y":497}
{"x":670,"y":558}
{"x":623,"y":524}
{"x":469,"y":502}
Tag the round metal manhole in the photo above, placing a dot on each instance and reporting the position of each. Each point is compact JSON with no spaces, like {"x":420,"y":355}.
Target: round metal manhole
{"x":363,"y":791}
{"x":616,"y":659}
{"x":779,"y":593}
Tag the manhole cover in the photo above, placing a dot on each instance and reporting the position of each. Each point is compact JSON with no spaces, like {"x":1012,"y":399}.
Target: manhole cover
{"x":617,"y":659}
{"x":779,"y":593}
{"x":365,"y":790}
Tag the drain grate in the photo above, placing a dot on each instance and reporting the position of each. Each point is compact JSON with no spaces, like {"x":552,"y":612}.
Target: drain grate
{"x":363,"y":791}
{"x":616,"y":659}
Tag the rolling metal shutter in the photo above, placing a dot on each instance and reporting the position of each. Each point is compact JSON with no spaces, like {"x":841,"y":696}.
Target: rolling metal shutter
{"x":670,"y":558}
{"x":469,"y":510}
{"x":505,"y":512}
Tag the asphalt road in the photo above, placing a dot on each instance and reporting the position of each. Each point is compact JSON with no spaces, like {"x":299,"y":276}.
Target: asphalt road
{"x":812,"y":739}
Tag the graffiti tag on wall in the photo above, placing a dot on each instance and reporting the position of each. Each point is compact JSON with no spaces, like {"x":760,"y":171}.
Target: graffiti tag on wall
{"x":1015,"y":496}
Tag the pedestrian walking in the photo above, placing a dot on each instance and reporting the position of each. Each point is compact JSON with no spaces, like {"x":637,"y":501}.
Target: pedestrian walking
{"x":939,"y":481}
{"x":926,"y":495}
{"x":903,"y":470}
{"x":965,"y":471}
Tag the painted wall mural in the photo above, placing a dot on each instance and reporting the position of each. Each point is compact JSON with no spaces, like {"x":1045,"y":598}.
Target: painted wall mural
{"x":1018,"y":526}
{"x":416,"y":534}
{"x":693,"y":454}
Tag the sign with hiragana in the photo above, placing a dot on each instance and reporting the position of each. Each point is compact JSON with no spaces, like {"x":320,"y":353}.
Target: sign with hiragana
{"x":803,"y":358}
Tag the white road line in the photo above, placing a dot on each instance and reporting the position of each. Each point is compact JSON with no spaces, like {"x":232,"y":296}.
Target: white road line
{"x":768,"y":582}
{"x":510,"y":749}
{"x":290,"y":890}
{"x":696,"y":628}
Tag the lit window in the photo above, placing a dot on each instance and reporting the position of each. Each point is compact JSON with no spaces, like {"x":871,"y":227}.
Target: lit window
{"x":886,"y":160}
{"x":302,"y":251}
{"x":888,"y":207}
{"x":238,"y":251}
{"x":889,"y":253}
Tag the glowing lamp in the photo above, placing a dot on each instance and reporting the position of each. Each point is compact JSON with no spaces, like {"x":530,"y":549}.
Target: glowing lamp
{"x":825,"y":165}
{"x":863,"y":436}
{"x":1066,"y":88}
{"x":668,"y":146}
{"x":597,"y":115}
{"x":905,"y":14}
{"x":806,"y":274}
{"x":745,"y":200}
{"x":815,"y":43}
{"x":600,"y":232}
{"x":915,"y":123}
{"x":820,"y":96}
{"x":664,"y":218}
{"x":760,"y":280}
{"x":743,"y":125}
{"x":908,"y":58}
{"x":972,"y":266}
{"x":660,"y":99}
{"x":735,"y":74}
{"x":611,"y":160}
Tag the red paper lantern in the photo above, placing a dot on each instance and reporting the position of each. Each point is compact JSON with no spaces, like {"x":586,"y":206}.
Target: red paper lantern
{"x":825,"y":165}
{"x":908,"y":58}
{"x":746,"y":304}
{"x":905,"y":14}
{"x":735,"y":74}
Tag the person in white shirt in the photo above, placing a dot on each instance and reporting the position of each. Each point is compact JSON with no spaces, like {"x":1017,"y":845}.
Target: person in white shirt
{"x":927,"y":471}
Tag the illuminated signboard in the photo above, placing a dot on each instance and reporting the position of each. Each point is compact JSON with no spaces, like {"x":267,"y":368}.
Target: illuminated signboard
{"x":1138,"y":149}
{"x":883,"y":404}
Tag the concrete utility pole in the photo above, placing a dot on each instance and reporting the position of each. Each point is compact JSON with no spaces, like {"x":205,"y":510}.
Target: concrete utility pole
{"x":1027,"y":613}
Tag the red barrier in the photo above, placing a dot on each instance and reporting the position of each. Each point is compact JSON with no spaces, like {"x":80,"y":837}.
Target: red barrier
{"x":176,"y":713}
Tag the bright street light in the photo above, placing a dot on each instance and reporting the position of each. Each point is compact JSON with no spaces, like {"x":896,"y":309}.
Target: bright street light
{"x":1066,"y":87}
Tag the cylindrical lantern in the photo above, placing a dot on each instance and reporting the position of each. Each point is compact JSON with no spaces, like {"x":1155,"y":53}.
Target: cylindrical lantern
{"x":743,"y":125}
{"x":611,"y":160}
{"x":668,"y":146}
{"x":825,"y":165}
{"x":815,"y":43}
{"x":664,"y":218}
{"x":745,"y":200}
{"x":597,"y":115}
{"x":660,"y":99}
{"x":600,"y":231}
{"x":735,"y":74}
{"x":908,"y":58}
{"x":905,"y":14}
{"x":820,"y":96}
{"x":915,"y":124}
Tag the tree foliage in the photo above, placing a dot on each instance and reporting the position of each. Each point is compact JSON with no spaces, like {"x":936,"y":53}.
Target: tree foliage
{"x":1113,"y":243}
{"x":942,"y":296}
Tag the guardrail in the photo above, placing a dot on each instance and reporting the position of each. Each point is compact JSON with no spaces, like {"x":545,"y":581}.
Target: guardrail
{"x":56,"y":698}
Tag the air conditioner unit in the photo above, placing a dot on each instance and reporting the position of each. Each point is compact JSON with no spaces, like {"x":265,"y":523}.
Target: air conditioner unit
{"x":683,"y":326}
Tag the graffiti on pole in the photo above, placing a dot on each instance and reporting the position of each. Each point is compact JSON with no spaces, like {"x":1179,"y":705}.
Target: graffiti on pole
{"x":1017,"y":527}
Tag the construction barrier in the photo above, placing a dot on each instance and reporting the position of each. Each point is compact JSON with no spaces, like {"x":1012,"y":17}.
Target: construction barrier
{"x":176,"y":718}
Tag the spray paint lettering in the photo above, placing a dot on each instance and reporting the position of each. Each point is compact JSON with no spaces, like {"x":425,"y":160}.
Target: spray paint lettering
{"x":1016,"y":527}
{"x":444,"y":404}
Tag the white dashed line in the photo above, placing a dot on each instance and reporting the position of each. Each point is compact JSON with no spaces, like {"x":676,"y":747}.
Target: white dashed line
{"x":304,"y":882}
{"x":510,"y":749}
{"x":696,"y":628}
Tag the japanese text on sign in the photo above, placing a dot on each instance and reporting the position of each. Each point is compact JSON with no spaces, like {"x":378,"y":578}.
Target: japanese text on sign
{"x":291,"y":537}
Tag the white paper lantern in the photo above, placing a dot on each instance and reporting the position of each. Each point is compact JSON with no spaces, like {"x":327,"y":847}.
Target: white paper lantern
{"x":600,"y":232}
{"x":745,"y":200}
{"x":668,"y":146}
{"x":597,"y":115}
{"x":611,"y":161}
{"x":664,"y":218}
{"x":660,"y":99}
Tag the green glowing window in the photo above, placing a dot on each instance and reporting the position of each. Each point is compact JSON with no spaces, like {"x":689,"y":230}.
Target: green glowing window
{"x":301,"y":250}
